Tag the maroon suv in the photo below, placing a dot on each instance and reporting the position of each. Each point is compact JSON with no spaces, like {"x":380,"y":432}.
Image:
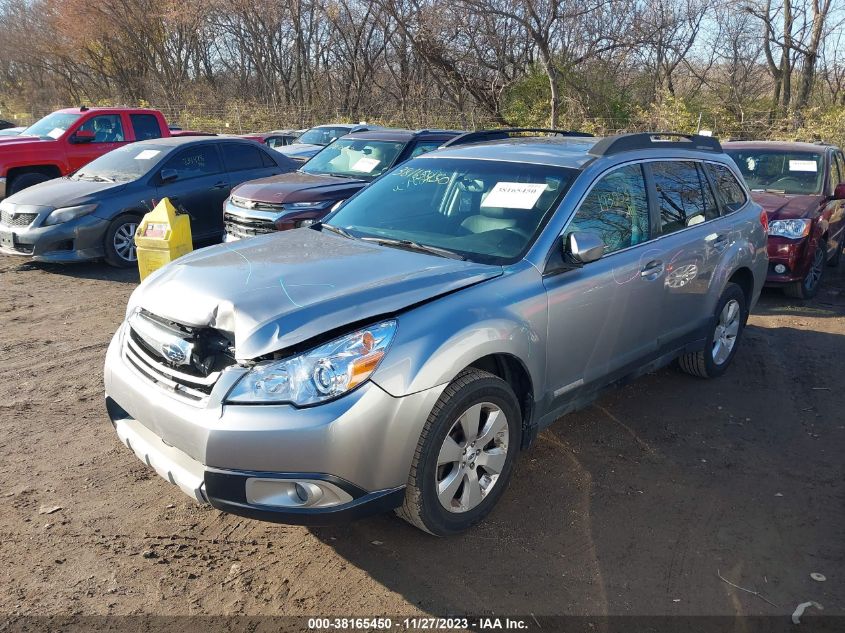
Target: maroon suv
{"x":802,"y":188}
{"x":337,"y":172}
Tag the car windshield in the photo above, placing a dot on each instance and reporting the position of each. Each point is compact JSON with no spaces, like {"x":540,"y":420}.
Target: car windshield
{"x":322,"y":135}
{"x":780,"y":171}
{"x":354,"y":158}
{"x":52,"y":125}
{"x":484,"y":211}
{"x":129,"y":162}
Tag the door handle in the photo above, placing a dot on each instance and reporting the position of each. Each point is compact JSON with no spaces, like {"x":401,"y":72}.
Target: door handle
{"x":719,"y":242}
{"x":652,"y":270}
{"x":220,"y":185}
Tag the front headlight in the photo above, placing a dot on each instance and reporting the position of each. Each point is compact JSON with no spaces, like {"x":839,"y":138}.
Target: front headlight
{"x":7,"y":206}
{"x":793,"y":229}
{"x":65,"y":214}
{"x":308,"y":206}
{"x":317,"y":375}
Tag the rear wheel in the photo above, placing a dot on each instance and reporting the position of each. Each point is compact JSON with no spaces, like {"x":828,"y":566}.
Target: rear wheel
{"x":465,"y":455}
{"x":718,"y":352}
{"x":119,"y":244}
{"x":808,"y":287}
{"x":27,"y":180}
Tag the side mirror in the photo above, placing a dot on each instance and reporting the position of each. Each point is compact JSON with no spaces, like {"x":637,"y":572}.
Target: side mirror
{"x":82,"y":136}
{"x":168,"y":175}
{"x":839,"y":192}
{"x":582,"y":247}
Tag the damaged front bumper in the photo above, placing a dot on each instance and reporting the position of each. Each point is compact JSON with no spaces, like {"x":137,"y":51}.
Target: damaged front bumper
{"x":323,"y":464}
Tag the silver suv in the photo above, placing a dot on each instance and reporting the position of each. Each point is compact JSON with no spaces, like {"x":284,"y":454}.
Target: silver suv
{"x":400,"y":354}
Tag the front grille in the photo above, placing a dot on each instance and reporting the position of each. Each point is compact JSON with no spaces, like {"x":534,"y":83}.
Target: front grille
{"x":193,"y":382}
{"x":23,"y":248}
{"x":242,"y":227}
{"x":243,"y":203}
{"x":17,"y":219}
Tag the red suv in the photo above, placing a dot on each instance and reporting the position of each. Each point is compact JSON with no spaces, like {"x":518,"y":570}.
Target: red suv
{"x":802,"y":188}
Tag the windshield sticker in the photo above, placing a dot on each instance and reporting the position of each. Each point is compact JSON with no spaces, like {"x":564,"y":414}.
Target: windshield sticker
{"x":147,"y":154}
{"x":56,"y":132}
{"x":803,"y":165}
{"x":365,"y":164}
{"x":514,"y":195}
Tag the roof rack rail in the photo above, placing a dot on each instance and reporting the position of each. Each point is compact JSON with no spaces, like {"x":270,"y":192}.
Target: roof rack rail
{"x":503,"y":133}
{"x":650,"y":140}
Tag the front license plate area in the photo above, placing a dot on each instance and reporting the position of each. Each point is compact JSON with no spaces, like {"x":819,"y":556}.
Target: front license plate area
{"x":7,"y":239}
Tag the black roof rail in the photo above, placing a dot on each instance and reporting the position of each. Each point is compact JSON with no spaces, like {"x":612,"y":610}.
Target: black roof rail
{"x":503,"y":133}
{"x":651,"y":140}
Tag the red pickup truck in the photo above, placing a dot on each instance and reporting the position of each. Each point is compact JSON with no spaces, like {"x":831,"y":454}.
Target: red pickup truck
{"x":65,"y":140}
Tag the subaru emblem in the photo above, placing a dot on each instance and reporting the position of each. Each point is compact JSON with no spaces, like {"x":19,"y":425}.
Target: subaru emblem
{"x":173,"y":353}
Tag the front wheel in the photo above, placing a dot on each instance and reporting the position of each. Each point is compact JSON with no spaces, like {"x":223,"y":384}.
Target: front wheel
{"x":808,"y":287}
{"x":465,"y":455}
{"x":25,"y":181}
{"x":119,"y":242}
{"x":718,"y":352}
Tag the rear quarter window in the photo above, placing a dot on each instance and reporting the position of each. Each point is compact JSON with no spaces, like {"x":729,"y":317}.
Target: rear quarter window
{"x":728,"y":187}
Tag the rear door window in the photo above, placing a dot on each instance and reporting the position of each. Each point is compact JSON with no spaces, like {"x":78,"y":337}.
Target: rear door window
{"x":240,"y":156}
{"x":683,"y":193}
{"x":146,"y":126}
{"x":727,"y":186}
{"x":195,"y":162}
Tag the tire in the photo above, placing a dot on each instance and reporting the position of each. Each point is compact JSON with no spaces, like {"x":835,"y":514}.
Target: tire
{"x":117,"y":234}
{"x":808,"y":287}
{"x":723,"y":339}
{"x":27,"y":180}
{"x":473,"y":394}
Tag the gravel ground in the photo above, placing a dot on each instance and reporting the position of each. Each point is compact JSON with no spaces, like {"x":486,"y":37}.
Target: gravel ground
{"x":633,"y":506}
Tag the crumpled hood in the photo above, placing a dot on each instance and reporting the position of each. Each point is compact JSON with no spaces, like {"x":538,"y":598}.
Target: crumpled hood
{"x":299,"y":150}
{"x":786,"y":207}
{"x":277,"y":290}
{"x":297,"y":187}
{"x":63,"y":192}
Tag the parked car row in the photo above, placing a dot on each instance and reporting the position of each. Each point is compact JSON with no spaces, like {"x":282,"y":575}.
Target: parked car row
{"x":447,"y":295}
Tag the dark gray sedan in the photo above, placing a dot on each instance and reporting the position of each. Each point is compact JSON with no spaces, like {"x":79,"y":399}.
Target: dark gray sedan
{"x":94,"y":212}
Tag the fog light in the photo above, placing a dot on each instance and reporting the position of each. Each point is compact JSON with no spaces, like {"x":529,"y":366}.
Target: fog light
{"x":780,"y":269}
{"x":294,"y":493}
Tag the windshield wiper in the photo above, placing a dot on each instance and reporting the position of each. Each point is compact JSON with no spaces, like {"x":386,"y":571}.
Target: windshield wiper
{"x":336,"y":229}
{"x":416,"y":246}
{"x":94,"y":178}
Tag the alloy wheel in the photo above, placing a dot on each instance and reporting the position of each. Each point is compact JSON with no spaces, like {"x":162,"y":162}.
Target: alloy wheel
{"x":815,"y":274}
{"x":124,"y":241}
{"x":472,"y":456}
{"x":724,"y":338}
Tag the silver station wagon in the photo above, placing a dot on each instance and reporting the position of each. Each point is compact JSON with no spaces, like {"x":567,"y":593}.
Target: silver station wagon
{"x":400,"y":354}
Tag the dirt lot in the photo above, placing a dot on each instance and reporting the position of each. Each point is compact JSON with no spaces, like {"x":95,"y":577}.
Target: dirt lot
{"x":629,"y":507}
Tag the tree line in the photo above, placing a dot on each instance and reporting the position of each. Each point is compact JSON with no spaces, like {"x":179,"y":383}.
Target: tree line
{"x":743,"y":67}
